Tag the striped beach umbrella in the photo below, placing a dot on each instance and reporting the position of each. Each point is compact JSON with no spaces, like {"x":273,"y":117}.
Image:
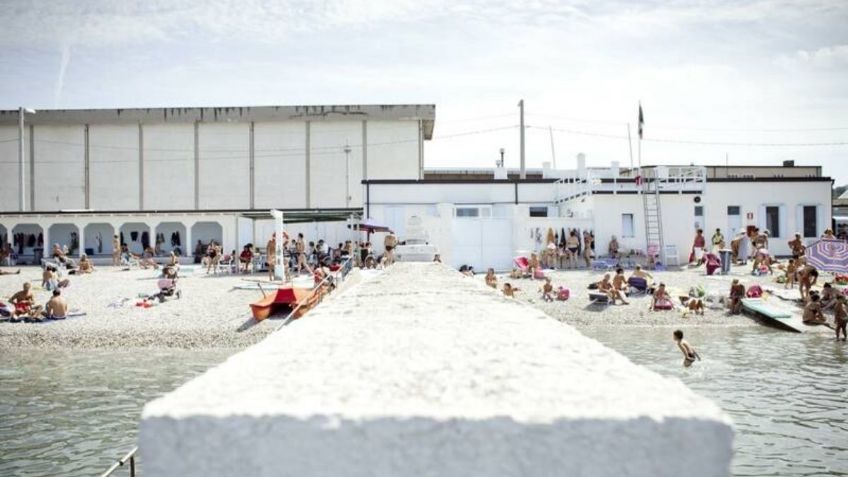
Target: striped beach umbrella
{"x":829,"y":255}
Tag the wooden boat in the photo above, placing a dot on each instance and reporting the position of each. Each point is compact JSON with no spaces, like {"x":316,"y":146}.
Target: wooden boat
{"x":285,"y":299}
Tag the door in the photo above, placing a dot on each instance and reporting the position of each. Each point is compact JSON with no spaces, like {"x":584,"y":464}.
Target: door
{"x":734,"y":222}
{"x":482,"y":242}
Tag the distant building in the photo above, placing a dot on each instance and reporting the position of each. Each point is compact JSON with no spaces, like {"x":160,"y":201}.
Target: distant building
{"x":202,"y":173}
{"x":483,"y":217}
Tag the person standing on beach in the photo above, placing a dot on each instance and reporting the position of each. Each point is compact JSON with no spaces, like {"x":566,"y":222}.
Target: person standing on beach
{"x":689,"y":353}
{"x":698,"y":246}
{"x":390,"y":242}
{"x":271,"y":253}
{"x":718,"y":240}
{"x":587,"y":248}
{"x":737,"y":293}
{"x":797,"y":246}
{"x":116,"y":251}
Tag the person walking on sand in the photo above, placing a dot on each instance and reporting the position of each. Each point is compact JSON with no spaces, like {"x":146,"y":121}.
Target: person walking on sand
{"x":689,"y":353}
{"x":698,"y":246}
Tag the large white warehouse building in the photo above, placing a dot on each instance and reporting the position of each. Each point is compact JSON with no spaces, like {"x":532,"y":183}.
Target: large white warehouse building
{"x":202,"y":173}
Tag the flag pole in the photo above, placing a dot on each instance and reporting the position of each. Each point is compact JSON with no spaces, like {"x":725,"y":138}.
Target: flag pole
{"x":630,"y":145}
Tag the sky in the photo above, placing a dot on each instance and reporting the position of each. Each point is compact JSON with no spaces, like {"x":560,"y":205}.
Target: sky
{"x":737,"y":82}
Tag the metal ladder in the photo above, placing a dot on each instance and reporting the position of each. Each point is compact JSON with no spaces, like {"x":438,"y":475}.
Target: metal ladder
{"x":654,"y":243}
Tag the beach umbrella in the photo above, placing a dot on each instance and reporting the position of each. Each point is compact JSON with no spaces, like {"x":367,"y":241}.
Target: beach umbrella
{"x":828,"y":255}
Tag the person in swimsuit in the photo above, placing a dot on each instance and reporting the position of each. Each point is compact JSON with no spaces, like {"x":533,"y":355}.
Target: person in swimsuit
{"x":587,"y":248}
{"x":606,"y":286}
{"x":737,"y":293}
{"x":57,"y":307}
{"x":807,"y":277}
{"x":390,"y":243}
{"x":659,"y":295}
{"x":689,"y":353}
{"x":813,"y":311}
{"x":718,"y":240}
{"x":572,"y":244}
{"x":491,"y":279}
{"x":533,"y":264}
{"x":698,"y":247}
{"x":547,"y":290}
{"x":85,"y":265}
{"x":840,"y":316}
{"x":797,"y":246}
{"x":24,"y":301}
{"x":791,"y":273}
{"x":509,"y":291}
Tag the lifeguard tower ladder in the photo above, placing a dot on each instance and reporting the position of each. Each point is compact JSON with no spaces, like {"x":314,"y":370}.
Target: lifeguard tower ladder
{"x":654,"y":243}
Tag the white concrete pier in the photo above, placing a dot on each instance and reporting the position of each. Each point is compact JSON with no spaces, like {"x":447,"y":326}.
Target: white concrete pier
{"x":422,"y":372}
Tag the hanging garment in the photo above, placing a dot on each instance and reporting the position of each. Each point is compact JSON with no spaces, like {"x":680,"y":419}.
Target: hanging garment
{"x":134,"y":236}
{"x":145,"y":240}
{"x":123,"y":242}
{"x":31,"y":240}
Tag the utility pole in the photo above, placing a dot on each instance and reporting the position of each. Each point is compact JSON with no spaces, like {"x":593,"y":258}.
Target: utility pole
{"x":22,"y":170}
{"x":347,"y":173}
{"x":553,"y":151}
{"x":523,"y":174}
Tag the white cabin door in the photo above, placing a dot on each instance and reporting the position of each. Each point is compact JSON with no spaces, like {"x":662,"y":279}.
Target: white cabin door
{"x":734,"y":222}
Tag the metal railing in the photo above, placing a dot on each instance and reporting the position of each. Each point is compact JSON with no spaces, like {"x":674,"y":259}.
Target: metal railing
{"x":130,"y":457}
{"x":346,"y":267}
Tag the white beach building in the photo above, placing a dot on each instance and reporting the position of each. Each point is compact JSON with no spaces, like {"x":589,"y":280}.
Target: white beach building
{"x":197,"y":174}
{"x":484,"y":217}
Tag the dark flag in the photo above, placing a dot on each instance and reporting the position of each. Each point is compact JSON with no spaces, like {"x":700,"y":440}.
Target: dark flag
{"x":641,"y":121}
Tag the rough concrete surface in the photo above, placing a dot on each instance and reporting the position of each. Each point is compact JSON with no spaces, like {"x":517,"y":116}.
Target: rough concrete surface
{"x":420,"y":371}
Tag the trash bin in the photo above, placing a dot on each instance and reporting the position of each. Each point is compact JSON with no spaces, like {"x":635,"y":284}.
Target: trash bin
{"x":38,"y":254}
{"x":725,"y":255}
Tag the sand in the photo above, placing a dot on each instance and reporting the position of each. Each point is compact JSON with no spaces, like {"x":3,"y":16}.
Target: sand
{"x":210,"y":312}
{"x":577,"y":310}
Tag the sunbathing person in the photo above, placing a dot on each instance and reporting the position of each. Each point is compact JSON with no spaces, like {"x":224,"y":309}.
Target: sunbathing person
{"x":807,"y":277}
{"x":147,"y":259}
{"x":641,"y":273}
{"x":737,"y":293}
{"x":3,"y":272}
{"x":606,"y":286}
{"x":85,"y":265}
{"x":660,"y":296}
{"x":57,"y":307}
{"x":547,"y":290}
{"x":695,"y":305}
{"x":491,"y":279}
{"x":813,"y":311}
{"x":24,"y":302}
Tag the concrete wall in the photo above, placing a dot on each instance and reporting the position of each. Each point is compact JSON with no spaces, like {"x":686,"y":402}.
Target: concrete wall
{"x":113,"y":155}
{"x":458,"y":381}
{"x":223,"y":150}
{"x":280,"y":165}
{"x":59,"y":168}
{"x":168,"y":167}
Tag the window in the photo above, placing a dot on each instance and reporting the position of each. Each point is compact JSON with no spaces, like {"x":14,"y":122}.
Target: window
{"x":699,"y":217}
{"x":699,"y":211}
{"x":810,"y":221}
{"x":627,"y":226}
{"x":734,"y":210}
{"x":773,"y":221}
{"x":538,"y":211}
{"x":467,"y":212}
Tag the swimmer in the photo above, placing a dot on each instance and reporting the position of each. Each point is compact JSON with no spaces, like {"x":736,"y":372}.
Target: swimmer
{"x":491,"y":279}
{"x":689,"y":353}
{"x":509,"y":290}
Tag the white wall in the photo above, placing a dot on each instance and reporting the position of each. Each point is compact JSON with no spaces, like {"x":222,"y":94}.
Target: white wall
{"x":59,"y":167}
{"x":224,"y":165}
{"x":168,"y":166}
{"x":327,"y":172}
{"x":113,"y":159}
{"x":280,"y":164}
{"x":392,"y":150}
{"x":9,"y":168}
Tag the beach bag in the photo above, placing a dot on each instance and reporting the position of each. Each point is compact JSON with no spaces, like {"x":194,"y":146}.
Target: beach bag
{"x":563,"y":294}
{"x":754,"y":292}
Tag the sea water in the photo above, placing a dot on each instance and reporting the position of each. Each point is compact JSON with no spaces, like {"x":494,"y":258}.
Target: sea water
{"x":786,"y":392}
{"x":75,"y":412}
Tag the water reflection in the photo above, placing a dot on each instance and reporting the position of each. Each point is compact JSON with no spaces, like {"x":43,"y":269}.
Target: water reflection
{"x":786,"y":392}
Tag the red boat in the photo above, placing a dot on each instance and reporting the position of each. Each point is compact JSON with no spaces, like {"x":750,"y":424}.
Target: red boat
{"x":285,"y":300}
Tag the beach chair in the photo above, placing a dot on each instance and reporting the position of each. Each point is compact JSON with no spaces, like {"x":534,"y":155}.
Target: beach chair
{"x":604,"y":264}
{"x":523,"y":265}
{"x":599,"y":298}
{"x":227,"y":264}
{"x":638,"y":286}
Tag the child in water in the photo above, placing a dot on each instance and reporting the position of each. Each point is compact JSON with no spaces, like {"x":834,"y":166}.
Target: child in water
{"x":689,"y":353}
{"x":840,"y":315}
{"x":813,"y":311}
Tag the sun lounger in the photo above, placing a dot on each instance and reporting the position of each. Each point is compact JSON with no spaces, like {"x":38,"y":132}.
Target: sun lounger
{"x":598,"y":298}
{"x":638,"y":285}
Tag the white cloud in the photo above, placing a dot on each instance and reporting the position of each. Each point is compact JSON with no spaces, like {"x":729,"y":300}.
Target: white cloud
{"x":825,"y":57}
